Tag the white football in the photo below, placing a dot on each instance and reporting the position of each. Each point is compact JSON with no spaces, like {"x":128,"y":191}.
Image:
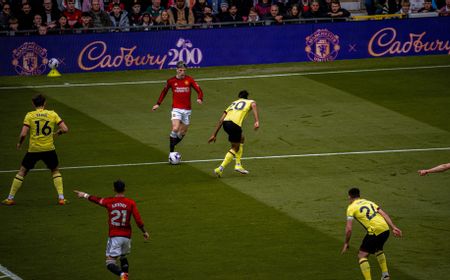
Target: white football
{"x":53,"y":63}
{"x":174,"y":158}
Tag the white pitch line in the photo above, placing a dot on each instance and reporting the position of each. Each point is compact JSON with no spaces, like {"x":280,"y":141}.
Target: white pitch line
{"x":67,"y":85}
{"x":248,"y":158}
{"x":8,"y":273}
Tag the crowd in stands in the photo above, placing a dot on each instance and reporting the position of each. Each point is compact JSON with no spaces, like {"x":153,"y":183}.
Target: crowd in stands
{"x":85,"y":16}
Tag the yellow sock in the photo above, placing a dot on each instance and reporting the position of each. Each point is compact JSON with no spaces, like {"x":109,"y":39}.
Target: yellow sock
{"x":365,"y":268}
{"x":239,"y":154}
{"x":228,"y":158}
{"x":381,"y":257}
{"x":15,"y":186}
{"x":58,"y":182}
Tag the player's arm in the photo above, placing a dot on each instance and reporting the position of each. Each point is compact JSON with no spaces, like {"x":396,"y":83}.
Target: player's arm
{"x":216,"y":130}
{"x":439,"y":168}
{"x":348,"y":234}
{"x":255,"y":114}
{"x":397,"y":232}
{"x":140,"y":223}
{"x":62,"y":128}
{"x":92,"y":198}
{"x":161,"y":96}
{"x":22,"y":136}
{"x":199,"y":92}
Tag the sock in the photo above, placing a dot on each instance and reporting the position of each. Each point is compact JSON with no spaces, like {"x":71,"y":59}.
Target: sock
{"x":365,"y":268}
{"x":114,"y":268}
{"x":124,"y":264}
{"x":57,"y":181}
{"x":172,"y":144}
{"x":179,"y":137}
{"x":381,"y":257}
{"x":228,"y":158}
{"x":239,"y":154}
{"x":15,"y":186}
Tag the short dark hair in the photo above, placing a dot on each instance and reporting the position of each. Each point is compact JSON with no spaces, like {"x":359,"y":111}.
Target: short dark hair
{"x":354,"y":193}
{"x":119,"y":186}
{"x":38,"y":100}
{"x":181,"y":64}
{"x":243,"y":94}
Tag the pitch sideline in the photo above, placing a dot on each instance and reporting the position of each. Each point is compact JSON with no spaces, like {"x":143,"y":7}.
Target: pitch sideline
{"x":69,"y":85}
{"x":251,"y":158}
{"x":8,"y":274}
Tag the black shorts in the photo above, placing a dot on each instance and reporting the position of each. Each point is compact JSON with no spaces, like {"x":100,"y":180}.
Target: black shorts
{"x":49,"y":158}
{"x":374,"y":243}
{"x":233,"y":130}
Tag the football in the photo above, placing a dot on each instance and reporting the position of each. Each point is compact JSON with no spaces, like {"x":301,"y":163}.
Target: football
{"x":53,"y":63}
{"x":174,"y":158}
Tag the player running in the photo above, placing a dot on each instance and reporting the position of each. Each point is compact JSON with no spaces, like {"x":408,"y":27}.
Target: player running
{"x":40,"y":123}
{"x":181,"y":103}
{"x":120,"y":210}
{"x":232,"y":120}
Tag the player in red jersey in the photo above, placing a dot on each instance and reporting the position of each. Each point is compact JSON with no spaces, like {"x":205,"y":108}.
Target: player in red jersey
{"x":181,"y":103}
{"x":120,"y":210}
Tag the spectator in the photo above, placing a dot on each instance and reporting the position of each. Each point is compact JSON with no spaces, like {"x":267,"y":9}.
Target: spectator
{"x":244,"y":6}
{"x":155,"y":9}
{"x":314,"y":11}
{"x":233,"y":15}
{"x":252,"y":16}
{"x":406,"y":9}
{"x":99,"y":17}
{"x":325,"y":6}
{"x":371,"y":7}
{"x":110,"y":7}
{"x":163,"y":19}
{"x":5,"y":15}
{"x":37,"y":21}
{"x":26,"y":17}
{"x":119,"y":18}
{"x":146,"y":21}
{"x":263,"y":8}
{"x":208,"y":17}
{"x":42,"y":30}
{"x":72,"y":14}
{"x":135,"y":17}
{"x":305,"y":6}
{"x":445,"y":11}
{"x":388,"y":6}
{"x":223,"y":11}
{"x":86,"y":24}
{"x":63,"y":25}
{"x":13,"y":25}
{"x":274,"y":16}
{"x":293,"y":12}
{"x":427,"y":7}
{"x":181,"y":15}
{"x":337,"y":11}
{"x":281,"y":6}
{"x":87,"y":5}
{"x":63,"y":4}
{"x":197,"y":10}
{"x":50,"y":14}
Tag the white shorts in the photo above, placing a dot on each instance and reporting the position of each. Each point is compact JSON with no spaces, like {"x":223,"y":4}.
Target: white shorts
{"x":118,"y":246}
{"x":181,"y":114}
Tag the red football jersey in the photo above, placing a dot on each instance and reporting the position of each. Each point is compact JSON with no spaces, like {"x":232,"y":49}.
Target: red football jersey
{"x":181,"y":92}
{"x":120,"y":210}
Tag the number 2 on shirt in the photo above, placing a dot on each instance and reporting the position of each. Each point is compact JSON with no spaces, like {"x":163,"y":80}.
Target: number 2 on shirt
{"x":119,"y":218}
{"x":368,"y":214}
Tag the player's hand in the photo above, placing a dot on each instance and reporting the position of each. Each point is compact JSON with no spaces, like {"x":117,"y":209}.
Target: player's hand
{"x":18,"y":146}
{"x":81,"y":194}
{"x":256,"y":125}
{"x":422,"y":172}
{"x":345,"y":248}
{"x":156,"y":106}
{"x":397,"y":232}
{"x":212,"y":139}
{"x":199,"y":101}
{"x":146,"y":235}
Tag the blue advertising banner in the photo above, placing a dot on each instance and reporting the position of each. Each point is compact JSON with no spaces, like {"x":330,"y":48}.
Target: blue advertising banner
{"x":29,"y":55}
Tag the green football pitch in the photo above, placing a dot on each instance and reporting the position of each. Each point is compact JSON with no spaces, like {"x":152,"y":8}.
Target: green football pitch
{"x":324,"y":128}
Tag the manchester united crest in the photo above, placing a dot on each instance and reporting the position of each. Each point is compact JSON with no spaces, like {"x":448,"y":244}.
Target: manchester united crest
{"x":322,"y":45}
{"x":29,"y":59}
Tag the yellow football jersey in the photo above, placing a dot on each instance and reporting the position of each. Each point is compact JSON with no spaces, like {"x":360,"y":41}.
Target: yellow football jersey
{"x":366,"y":212}
{"x":238,"y":110}
{"x":42,"y":124}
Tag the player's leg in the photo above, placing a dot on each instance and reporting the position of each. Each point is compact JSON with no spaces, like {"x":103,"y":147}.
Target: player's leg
{"x":126,"y":249}
{"x":381,"y":257}
{"x":28,"y":163}
{"x":113,"y":251}
{"x":364,"y":264}
{"x":229,"y":156}
{"x":176,"y":126}
{"x":238,"y":166}
{"x":50,"y":159}
{"x":181,"y":127}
